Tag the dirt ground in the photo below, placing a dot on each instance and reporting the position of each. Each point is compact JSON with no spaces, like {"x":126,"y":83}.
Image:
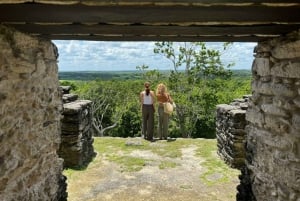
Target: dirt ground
{"x":105,"y":181}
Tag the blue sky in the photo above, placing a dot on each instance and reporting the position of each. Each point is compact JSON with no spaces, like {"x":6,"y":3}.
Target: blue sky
{"x":114,"y":56}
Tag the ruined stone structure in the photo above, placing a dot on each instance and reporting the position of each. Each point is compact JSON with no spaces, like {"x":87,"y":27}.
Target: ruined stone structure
{"x":30,"y":114}
{"x":77,"y":142}
{"x":231,"y":133}
{"x":271,"y":127}
{"x":231,"y":139}
{"x":273,"y":133}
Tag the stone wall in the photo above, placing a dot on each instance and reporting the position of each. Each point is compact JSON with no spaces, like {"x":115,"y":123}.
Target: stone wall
{"x":231,"y":139}
{"x":273,"y":133}
{"x":30,"y":107}
{"x":230,"y":132}
{"x":77,"y":138}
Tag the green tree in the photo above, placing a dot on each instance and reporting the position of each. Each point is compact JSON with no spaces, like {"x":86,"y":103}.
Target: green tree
{"x":149,"y":75}
{"x":193,"y":88}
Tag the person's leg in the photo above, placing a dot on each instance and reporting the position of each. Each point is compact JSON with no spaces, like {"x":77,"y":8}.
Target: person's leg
{"x":144,"y":123}
{"x":150,"y":122}
{"x":160,"y":121}
{"x":165,"y":125}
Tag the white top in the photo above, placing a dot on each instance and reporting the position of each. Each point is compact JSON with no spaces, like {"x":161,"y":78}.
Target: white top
{"x":147,"y":99}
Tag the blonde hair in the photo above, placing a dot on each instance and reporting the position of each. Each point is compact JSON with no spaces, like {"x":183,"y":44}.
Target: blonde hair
{"x":161,"y":89}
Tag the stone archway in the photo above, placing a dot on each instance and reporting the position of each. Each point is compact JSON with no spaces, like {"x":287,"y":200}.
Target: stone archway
{"x":30,"y":103}
{"x":31,"y":106}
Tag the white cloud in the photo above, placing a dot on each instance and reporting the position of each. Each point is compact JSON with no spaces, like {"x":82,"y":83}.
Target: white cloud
{"x":96,"y":55}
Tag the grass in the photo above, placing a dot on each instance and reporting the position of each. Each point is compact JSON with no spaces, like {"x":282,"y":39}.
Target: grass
{"x":167,"y":164}
{"x":131,"y":155}
{"x":216,"y":170}
{"x":128,"y":164}
{"x":118,"y":150}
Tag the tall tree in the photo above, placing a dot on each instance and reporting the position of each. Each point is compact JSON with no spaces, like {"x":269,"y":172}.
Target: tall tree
{"x":191,"y":87}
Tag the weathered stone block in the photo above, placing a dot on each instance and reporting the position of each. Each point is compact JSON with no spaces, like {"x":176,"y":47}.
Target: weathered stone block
{"x":286,"y":104}
{"x":296,"y":121}
{"x":276,"y":124}
{"x":77,"y":143}
{"x":273,"y":110}
{"x":287,"y":50}
{"x":255,"y":116}
{"x":262,"y":88}
{"x":284,"y":90}
{"x":67,"y":97}
{"x":65,"y":89}
{"x":288,"y":70}
{"x":262,"y":47}
{"x":261,"y":66}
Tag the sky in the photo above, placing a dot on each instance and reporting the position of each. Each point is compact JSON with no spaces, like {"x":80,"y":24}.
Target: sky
{"x":122,"y":56}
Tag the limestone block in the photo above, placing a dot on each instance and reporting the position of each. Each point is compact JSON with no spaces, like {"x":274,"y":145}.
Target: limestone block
{"x":224,"y":108}
{"x":261,"y":66}
{"x":41,"y":71}
{"x":286,"y":104}
{"x":287,"y":50}
{"x":262,"y":88}
{"x":276,"y":124}
{"x":265,"y":79}
{"x":297,"y":101}
{"x":288,"y":70}
{"x":22,"y":67}
{"x":255,"y":116}
{"x":67,"y":98}
{"x":66,"y":89}
{"x":271,"y":109}
{"x":276,"y":141}
{"x":284,"y":90}
{"x":28,"y":46}
{"x":76,"y":107}
{"x":262,"y":47}
{"x":296,"y":121}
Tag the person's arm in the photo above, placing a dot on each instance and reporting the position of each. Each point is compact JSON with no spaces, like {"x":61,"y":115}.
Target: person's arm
{"x":153,"y":97}
{"x":170,"y":99}
{"x":141,"y":98}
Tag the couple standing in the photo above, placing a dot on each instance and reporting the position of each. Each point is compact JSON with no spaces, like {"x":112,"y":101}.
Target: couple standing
{"x":148,"y":99}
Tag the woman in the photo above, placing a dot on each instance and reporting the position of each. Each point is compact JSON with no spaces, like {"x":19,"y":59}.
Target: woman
{"x":147,"y":100}
{"x":162,"y":96}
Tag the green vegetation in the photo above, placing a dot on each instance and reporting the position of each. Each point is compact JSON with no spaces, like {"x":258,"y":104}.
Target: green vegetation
{"x":216,"y":171}
{"x":167,"y":164}
{"x":118,"y":151}
{"x":65,"y":76}
{"x":196,"y":90}
{"x":117,"y":103}
{"x":130,"y":162}
{"x":99,"y":75}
